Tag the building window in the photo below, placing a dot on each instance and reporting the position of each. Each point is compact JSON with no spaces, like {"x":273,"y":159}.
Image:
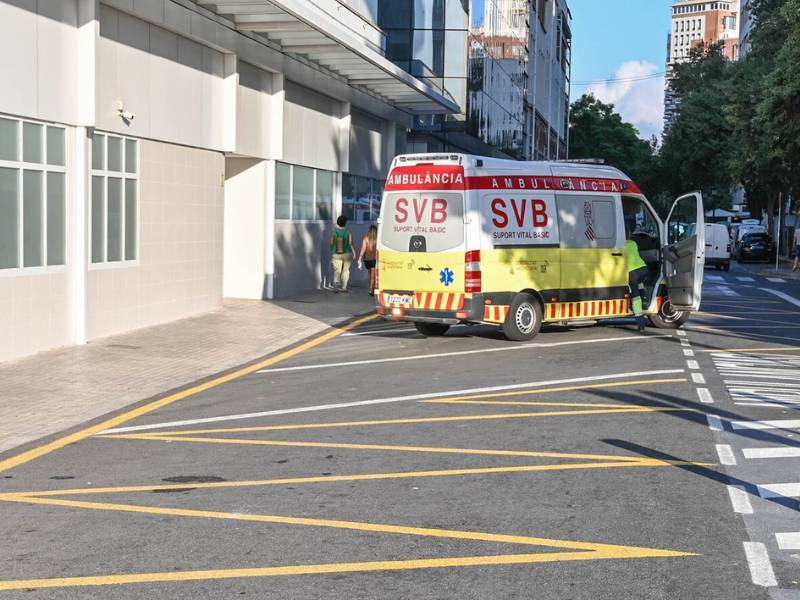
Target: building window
{"x":32,"y":194}
{"x":115,"y":199}
{"x":541,"y":8}
{"x":303,"y":193}
{"x":361,"y":198}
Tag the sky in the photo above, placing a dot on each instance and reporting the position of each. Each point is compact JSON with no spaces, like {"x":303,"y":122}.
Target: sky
{"x":624,"y":40}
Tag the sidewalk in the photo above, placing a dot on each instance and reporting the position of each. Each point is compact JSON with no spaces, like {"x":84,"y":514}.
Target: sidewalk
{"x":59,"y":389}
{"x":784,"y":270}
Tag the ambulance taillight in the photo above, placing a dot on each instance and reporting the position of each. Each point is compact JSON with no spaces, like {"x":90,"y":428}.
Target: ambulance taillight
{"x":472,"y":272}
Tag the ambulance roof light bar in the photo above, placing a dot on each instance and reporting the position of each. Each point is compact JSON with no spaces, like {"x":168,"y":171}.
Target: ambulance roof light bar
{"x":418,"y":158}
{"x":581,"y":161}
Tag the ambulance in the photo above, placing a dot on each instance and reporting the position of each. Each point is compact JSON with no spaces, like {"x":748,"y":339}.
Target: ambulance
{"x":466,"y":239}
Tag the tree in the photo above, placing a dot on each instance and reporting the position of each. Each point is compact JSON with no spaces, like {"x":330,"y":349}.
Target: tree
{"x":597,"y":131}
{"x":696,"y":150}
{"x":779,"y":111}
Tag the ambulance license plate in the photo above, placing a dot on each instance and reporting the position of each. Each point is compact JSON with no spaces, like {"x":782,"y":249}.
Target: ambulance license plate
{"x":401,"y":299}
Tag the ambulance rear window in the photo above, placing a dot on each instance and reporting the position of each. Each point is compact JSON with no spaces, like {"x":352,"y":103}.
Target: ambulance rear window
{"x":435,"y":218}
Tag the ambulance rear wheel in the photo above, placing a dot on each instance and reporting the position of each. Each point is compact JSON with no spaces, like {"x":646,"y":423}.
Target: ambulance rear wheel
{"x":431,"y":329}
{"x":669,"y":318}
{"x":524,"y":318}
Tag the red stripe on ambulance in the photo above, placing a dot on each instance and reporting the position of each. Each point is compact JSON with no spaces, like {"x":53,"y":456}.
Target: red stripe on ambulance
{"x":450,"y":177}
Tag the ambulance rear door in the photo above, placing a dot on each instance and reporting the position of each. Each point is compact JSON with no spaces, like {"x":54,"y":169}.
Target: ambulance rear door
{"x":684,"y":254}
{"x":422,"y":233}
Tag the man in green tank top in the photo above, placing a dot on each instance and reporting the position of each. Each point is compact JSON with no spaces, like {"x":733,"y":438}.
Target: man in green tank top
{"x":637,"y":272}
{"x":342,"y":254}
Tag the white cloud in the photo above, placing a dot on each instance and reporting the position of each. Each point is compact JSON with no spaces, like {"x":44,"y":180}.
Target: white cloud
{"x":639,"y":101}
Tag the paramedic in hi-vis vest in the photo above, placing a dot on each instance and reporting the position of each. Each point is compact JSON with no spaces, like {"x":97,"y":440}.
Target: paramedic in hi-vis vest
{"x":637,"y":271}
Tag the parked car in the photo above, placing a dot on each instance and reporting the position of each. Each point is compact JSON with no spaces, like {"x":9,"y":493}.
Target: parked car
{"x":718,"y":246}
{"x":756,"y":246}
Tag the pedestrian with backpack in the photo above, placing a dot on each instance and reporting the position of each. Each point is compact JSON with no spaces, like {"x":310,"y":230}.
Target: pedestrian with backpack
{"x":342,"y":249}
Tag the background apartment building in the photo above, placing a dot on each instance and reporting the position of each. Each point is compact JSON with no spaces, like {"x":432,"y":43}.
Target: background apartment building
{"x":746,"y":22}
{"x":158,"y":155}
{"x":696,"y":22}
{"x":515,"y":95}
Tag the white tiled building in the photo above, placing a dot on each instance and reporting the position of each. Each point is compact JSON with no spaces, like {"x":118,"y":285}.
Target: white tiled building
{"x":157,"y":155}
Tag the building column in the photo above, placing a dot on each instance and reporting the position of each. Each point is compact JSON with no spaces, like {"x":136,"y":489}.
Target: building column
{"x":269,"y":231}
{"x":80,"y":174}
{"x":276,"y":116}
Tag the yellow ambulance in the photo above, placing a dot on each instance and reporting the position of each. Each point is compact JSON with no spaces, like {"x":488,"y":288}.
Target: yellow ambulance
{"x":470,"y":239}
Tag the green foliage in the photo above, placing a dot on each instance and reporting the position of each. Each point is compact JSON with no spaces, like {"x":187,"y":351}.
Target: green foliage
{"x":779,"y":110}
{"x":597,"y":131}
{"x":696,"y":150}
{"x":739,"y":122}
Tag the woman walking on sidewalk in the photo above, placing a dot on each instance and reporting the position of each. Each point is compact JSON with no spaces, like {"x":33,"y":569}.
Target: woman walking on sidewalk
{"x":342,"y":249}
{"x":369,"y":254}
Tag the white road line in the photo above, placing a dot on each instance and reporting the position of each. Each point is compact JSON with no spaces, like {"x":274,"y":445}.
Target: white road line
{"x":772,"y":452}
{"x":762,"y":385}
{"x":692,"y":364}
{"x":779,"y":490}
{"x":714,"y":277}
{"x":766,"y":404}
{"x":725,"y":454}
{"x":782,"y":296}
{"x":760,"y":566}
{"x":509,"y":348}
{"x":684,"y":342}
{"x":776,"y":280}
{"x":375,"y":331}
{"x":745,"y":279}
{"x":681,"y":333}
{"x":698,"y":378}
{"x":705,"y":396}
{"x":789,"y":540}
{"x":714,"y":423}
{"x":720,"y":290}
{"x":778,"y":424}
{"x":688,"y":352}
{"x":303,"y":409}
{"x":740,"y":500}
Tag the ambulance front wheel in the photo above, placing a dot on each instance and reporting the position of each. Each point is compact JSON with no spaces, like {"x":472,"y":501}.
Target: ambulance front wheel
{"x":431,"y":329}
{"x":669,"y":318}
{"x":524,"y":318}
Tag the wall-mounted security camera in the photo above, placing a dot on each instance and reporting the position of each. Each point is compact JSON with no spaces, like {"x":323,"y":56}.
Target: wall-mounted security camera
{"x":125,"y":115}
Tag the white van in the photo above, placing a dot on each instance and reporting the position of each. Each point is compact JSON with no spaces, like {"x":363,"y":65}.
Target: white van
{"x":469,"y":239}
{"x":718,"y":246}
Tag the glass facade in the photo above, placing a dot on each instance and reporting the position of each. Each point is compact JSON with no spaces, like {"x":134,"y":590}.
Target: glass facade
{"x":428,"y":38}
{"x":497,"y":111}
{"x":361,"y":198}
{"x":485,"y":54}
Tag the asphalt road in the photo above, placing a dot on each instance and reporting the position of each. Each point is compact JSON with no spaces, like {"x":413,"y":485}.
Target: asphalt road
{"x":593,"y":463}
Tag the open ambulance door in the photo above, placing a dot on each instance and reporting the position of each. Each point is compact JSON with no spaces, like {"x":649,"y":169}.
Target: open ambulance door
{"x":684,"y":255}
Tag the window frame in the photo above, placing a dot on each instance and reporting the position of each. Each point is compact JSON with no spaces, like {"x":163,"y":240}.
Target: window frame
{"x":123,"y":176}
{"x":20,"y":165}
{"x":314,"y":173}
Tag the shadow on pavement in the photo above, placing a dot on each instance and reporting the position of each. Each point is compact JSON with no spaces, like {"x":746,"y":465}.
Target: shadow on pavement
{"x":702,"y":471}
